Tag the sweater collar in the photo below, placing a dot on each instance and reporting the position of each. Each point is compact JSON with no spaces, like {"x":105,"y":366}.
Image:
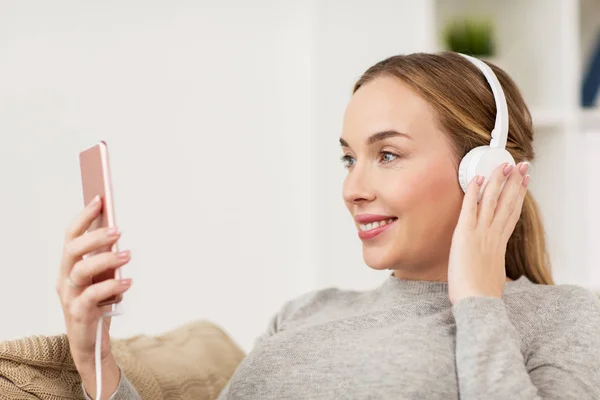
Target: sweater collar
{"x":422,"y":288}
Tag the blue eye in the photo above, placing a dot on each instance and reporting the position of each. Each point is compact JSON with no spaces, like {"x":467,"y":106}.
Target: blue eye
{"x":387,"y":157}
{"x":348,"y":161}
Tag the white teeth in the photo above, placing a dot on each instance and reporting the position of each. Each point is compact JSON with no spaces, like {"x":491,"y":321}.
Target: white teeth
{"x":373,"y":225}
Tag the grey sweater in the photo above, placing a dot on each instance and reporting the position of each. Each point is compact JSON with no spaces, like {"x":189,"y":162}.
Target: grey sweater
{"x":405,"y":340}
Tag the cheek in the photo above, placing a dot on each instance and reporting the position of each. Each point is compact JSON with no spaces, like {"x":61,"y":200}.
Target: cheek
{"x":440,"y":184}
{"x":440,"y":204}
{"x":403,"y":194}
{"x":433,"y":188}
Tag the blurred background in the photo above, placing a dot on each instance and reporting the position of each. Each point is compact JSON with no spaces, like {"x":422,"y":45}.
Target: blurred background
{"x":222,"y":120}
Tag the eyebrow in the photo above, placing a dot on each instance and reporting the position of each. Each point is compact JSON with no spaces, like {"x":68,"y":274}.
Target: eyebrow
{"x":379,"y":136}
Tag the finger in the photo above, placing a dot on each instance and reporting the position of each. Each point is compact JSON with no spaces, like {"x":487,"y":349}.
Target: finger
{"x":79,"y":225}
{"x":85,"y":307}
{"x":84,"y":219}
{"x":513,"y":219}
{"x":507,"y":202}
{"x":491,"y":192}
{"x":468,"y":212}
{"x":81,"y":245}
{"x":85,"y":269}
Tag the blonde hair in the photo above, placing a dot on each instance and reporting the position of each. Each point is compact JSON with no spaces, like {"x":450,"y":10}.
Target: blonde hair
{"x":465,"y":108}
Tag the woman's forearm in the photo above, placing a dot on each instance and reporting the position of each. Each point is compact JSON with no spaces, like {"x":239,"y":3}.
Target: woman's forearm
{"x":490,"y":364}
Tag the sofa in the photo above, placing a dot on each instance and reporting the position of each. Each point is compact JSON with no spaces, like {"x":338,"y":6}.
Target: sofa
{"x":192,"y":361}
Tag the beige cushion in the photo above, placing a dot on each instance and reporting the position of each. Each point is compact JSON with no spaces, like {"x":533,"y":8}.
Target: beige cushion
{"x":194,"y":361}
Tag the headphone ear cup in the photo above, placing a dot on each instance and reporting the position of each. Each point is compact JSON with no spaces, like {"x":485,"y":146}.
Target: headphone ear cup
{"x":481,"y":161}
{"x":462,"y":171}
{"x":467,"y":168}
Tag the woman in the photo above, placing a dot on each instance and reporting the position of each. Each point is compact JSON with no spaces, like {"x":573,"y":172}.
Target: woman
{"x":470,"y":309}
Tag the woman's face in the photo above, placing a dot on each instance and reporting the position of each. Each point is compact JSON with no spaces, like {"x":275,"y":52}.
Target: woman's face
{"x":402,"y":187}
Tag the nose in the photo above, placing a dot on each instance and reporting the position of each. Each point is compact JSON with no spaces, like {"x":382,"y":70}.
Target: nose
{"x":357,"y":187}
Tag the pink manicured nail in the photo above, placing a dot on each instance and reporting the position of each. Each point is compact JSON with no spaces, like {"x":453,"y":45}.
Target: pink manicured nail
{"x":123,"y":254}
{"x":112,"y":231}
{"x":508,"y":169}
{"x":524,"y":167}
{"x":526,"y":180}
{"x":95,"y":201}
{"x":125,"y":282}
{"x":480,"y":180}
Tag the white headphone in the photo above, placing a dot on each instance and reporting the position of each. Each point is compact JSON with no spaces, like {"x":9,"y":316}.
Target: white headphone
{"x":484,"y":160}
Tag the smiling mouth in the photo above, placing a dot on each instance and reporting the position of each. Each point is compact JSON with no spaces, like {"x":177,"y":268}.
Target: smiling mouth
{"x":376,"y":224}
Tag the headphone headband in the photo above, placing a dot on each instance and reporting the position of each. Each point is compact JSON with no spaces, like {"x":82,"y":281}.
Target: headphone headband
{"x":500,"y":132}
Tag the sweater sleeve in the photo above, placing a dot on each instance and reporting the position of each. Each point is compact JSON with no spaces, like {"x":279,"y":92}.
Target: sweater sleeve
{"x":563,"y":361}
{"x":125,"y":391}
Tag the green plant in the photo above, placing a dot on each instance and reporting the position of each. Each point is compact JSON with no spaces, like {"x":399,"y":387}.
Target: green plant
{"x":470,"y":36}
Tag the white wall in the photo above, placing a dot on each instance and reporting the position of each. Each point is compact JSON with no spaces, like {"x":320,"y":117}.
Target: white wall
{"x":206,"y":110}
{"x":351,"y":39}
{"x":591,"y":139}
{"x":220,"y":117}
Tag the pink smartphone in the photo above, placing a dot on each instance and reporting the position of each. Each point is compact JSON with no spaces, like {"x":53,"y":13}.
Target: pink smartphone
{"x":95,"y":180}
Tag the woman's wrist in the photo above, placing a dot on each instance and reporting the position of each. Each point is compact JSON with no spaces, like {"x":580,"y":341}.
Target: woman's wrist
{"x":111,"y":376}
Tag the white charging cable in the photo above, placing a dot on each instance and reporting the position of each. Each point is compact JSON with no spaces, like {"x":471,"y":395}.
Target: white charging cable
{"x":116,"y":310}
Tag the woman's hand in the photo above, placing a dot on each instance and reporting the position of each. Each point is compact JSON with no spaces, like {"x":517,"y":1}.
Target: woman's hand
{"x":78,"y":296}
{"x":476,"y":265}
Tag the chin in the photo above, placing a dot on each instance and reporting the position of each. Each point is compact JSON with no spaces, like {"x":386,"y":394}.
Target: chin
{"x":379,"y":258}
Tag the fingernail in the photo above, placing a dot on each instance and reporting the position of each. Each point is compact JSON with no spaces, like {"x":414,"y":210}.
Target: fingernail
{"x":95,"y":200}
{"x":125,"y":282}
{"x":524,"y":168}
{"x":123,"y":254}
{"x":480,"y":180}
{"x":526,"y":180}
{"x":508,"y":169}
{"x":112,"y":231}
